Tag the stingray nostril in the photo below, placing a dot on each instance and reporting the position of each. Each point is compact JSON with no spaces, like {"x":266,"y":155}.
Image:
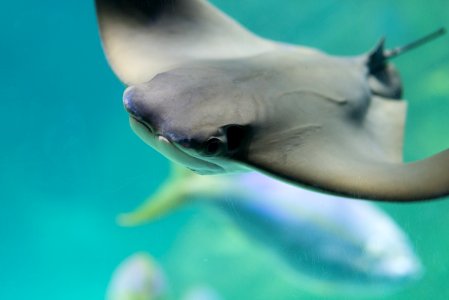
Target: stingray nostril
{"x":129,"y":102}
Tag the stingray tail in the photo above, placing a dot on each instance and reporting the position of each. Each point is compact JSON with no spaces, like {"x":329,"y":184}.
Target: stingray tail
{"x":378,"y":57}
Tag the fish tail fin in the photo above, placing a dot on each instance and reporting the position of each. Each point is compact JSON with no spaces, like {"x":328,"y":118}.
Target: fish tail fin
{"x":173,"y":193}
{"x":378,"y":57}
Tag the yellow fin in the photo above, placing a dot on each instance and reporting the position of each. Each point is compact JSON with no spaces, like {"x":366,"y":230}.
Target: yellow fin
{"x":182,"y":186}
{"x":170,"y":195}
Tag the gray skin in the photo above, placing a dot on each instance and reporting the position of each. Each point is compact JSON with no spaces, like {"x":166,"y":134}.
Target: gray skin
{"x":210,"y":95}
{"x":268,"y":99}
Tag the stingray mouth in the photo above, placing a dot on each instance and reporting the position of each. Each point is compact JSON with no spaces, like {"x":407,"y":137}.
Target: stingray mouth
{"x":172,"y":150}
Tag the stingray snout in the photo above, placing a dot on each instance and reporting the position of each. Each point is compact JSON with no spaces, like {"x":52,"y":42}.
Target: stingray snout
{"x":129,"y":101}
{"x":132,"y":100}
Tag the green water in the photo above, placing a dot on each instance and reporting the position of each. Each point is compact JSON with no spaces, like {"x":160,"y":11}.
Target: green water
{"x":69,"y":162}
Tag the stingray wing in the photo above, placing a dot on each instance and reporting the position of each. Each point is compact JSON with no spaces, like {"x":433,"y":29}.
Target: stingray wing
{"x":330,"y":133}
{"x":144,"y":37}
{"x":362,"y":162}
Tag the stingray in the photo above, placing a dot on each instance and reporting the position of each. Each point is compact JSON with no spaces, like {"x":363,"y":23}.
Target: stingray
{"x":214,"y":97}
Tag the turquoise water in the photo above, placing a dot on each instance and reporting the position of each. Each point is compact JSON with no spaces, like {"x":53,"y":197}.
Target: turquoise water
{"x":70,"y":163}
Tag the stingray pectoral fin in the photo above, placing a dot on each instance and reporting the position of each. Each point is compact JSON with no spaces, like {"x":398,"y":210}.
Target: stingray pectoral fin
{"x":356,"y":157}
{"x":144,"y":37}
{"x":333,"y":170}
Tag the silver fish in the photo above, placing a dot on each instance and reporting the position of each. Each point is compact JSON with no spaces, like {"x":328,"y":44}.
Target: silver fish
{"x":346,"y":244}
{"x":138,"y":277}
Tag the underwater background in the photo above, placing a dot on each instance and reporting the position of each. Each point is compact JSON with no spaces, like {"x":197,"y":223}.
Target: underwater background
{"x":69,"y":163}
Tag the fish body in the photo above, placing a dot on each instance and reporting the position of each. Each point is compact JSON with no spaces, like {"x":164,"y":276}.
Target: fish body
{"x":330,"y":243}
{"x":138,"y":277}
{"x":335,"y":243}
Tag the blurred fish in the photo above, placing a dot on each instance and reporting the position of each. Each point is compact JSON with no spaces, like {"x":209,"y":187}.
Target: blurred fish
{"x":331,"y":243}
{"x":201,"y":292}
{"x":137,"y":278}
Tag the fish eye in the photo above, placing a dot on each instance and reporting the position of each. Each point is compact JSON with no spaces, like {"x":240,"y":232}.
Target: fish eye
{"x":213,"y":146}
